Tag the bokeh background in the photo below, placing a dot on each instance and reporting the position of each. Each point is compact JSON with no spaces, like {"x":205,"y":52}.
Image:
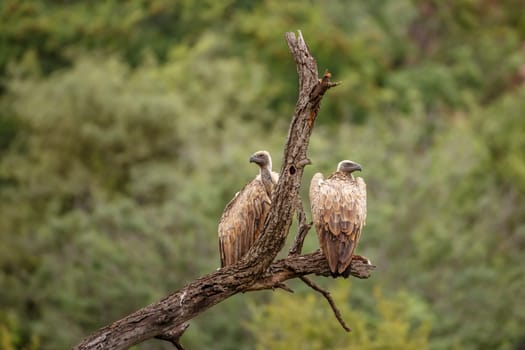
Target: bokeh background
{"x":126,"y":126}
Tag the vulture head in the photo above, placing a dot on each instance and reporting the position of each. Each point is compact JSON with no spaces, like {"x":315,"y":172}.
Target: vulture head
{"x":262,"y":159}
{"x":348,"y":167}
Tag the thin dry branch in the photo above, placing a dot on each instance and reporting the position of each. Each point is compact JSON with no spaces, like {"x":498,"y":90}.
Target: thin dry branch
{"x":302,"y":230}
{"x":328,"y":298}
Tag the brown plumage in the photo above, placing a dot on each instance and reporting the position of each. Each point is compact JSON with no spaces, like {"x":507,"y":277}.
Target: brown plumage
{"x":244,"y":216}
{"x":339,"y":213}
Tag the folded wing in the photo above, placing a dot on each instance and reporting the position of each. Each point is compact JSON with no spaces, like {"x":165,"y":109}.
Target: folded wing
{"x":339,"y":212}
{"x":242,"y":221}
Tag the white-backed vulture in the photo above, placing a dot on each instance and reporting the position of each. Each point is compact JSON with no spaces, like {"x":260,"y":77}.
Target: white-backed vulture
{"x":244,"y":216}
{"x":338,"y":206}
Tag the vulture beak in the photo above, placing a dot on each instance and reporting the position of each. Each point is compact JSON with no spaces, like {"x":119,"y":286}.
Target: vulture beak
{"x":253,"y":159}
{"x":357,"y":167}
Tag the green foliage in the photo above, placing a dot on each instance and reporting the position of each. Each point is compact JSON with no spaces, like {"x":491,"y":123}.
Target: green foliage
{"x":54,"y":28}
{"x":395,"y":55}
{"x":305,"y":321}
{"x":125,"y":128}
{"x":11,"y":337}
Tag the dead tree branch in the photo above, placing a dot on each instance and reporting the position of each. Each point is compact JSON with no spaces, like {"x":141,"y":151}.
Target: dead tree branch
{"x":165,"y":319}
{"x":302,"y":230}
{"x":328,"y":298}
{"x":308,"y":264}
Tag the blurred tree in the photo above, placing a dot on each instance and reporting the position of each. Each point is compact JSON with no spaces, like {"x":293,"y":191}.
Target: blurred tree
{"x":96,"y":181}
{"x":10,"y":337}
{"x":54,"y":28}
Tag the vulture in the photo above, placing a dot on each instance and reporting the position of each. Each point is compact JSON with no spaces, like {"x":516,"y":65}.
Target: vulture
{"x":244,"y":216}
{"x":338,"y":206}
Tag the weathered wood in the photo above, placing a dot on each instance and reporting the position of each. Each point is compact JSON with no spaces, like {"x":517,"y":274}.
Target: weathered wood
{"x":308,"y":264}
{"x":166,"y":317}
{"x":170,"y":313}
{"x":302,"y":230}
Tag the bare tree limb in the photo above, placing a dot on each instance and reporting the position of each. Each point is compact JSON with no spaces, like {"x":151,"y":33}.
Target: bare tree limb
{"x":328,"y":298}
{"x":302,"y":230}
{"x":166,"y":318}
{"x":308,"y":264}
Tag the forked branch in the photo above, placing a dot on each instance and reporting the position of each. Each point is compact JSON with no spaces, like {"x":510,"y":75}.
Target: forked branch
{"x":166,"y":319}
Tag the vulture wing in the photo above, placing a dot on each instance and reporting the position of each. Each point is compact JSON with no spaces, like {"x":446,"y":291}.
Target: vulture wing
{"x":339,"y":213}
{"x":242,"y":221}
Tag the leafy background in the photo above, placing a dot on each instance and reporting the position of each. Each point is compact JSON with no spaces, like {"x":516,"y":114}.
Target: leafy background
{"x":125,"y":127}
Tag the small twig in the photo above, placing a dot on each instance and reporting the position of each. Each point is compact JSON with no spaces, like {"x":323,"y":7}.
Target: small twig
{"x":329,"y":298}
{"x":304,"y":162}
{"x":326,"y":80}
{"x":173,"y":335}
{"x":317,"y":93}
{"x":284,"y":287}
{"x":323,"y":84}
{"x":302,"y":230}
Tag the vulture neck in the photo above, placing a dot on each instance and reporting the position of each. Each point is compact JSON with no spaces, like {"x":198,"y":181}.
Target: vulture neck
{"x":347,"y":174}
{"x":266,"y":178}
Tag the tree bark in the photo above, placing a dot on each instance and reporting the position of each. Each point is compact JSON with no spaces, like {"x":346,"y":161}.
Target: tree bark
{"x":255,"y":271}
